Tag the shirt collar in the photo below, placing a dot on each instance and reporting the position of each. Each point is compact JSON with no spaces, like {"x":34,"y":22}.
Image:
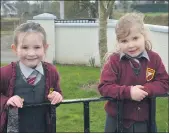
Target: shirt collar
{"x":27,"y":70}
{"x":144,"y":54}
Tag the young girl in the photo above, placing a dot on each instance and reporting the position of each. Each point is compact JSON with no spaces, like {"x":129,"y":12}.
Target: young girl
{"x":29,"y":81}
{"x":133,"y":73}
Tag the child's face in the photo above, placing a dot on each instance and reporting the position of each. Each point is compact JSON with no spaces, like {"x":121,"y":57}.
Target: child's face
{"x":30,"y":49}
{"x":133,"y":44}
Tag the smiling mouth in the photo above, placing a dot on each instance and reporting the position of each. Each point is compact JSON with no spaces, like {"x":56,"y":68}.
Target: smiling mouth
{"x":32,"y":59}
{"x":133,"y":51}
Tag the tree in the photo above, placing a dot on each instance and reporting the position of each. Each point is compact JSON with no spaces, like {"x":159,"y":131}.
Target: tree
{"x":105,"y":8}
{"x":67,"y":9}
{"x":22,"y":6}
{"x":81,"y":9}
{"x":54,"y":9}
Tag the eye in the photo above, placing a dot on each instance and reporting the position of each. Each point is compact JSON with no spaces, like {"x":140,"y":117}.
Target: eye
{"x":135,"y":38}
{"x":123,"y":41}
{"x":37,"y":47}
{"x":24,"y":47}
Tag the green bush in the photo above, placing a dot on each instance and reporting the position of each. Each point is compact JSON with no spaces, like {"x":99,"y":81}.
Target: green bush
{"x":150,"y":18}
{"x":157,"y":20}
{"x":160,"y":7}
{"x":9,"y":24}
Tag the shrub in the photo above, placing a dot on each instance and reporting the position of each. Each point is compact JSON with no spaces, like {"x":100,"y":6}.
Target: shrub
{"x":150,"y":18}
{"x":9,"y":24}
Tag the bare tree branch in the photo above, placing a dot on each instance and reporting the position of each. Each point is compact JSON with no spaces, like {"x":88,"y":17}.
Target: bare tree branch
{"x":110,"y":6}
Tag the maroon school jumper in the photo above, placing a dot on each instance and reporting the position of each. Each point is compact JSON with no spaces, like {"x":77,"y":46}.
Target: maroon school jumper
{"x":7,"y":83}
{"x":117,"y":77}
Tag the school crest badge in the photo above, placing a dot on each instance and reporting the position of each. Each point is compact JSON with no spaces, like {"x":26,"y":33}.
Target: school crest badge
{"x":150,"y":74}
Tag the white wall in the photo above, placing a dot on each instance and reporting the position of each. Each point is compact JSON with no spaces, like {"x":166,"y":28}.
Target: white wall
{"x":160,"y":45}
{"x":77,"y":42}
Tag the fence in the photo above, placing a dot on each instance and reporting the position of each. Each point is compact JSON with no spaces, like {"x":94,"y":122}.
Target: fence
{"x":152,"y":114}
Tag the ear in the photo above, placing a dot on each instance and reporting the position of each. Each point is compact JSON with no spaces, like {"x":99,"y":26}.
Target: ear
{"x":46,"y":47}
{"x":14,"y":48}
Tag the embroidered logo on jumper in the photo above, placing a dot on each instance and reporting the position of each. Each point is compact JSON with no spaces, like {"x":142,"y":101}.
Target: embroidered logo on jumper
{"x":150,"y":74}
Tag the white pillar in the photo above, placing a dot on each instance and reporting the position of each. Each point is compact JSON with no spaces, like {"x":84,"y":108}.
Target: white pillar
{"x":47,"y":21}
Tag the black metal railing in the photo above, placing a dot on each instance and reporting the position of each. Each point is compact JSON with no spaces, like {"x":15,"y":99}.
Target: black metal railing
{"x":86,"y":113}
{"x":85,"y":102}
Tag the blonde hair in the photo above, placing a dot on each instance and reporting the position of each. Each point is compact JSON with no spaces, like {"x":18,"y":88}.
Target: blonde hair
{"x":123,"y":28}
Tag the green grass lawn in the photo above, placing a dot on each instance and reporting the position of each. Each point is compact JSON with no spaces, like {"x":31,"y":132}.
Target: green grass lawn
{"x":70,"y":116}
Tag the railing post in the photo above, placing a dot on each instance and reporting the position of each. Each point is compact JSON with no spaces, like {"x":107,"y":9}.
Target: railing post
{"x":152,"y":116}
{"x":86,"y":118}
{"x":53,"y":119}
{"x":119,"y":116}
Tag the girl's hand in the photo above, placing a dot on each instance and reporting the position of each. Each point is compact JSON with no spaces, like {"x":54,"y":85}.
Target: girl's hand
{"x":15,"y":101}
{"x":55,"y":97}
{"x":137,"y":93}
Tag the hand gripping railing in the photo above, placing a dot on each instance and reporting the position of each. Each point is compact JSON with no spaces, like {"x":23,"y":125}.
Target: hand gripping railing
{"x":86,"y":102}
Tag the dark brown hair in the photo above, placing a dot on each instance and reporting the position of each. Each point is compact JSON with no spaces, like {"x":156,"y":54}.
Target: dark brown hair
{"x":29,"y":27}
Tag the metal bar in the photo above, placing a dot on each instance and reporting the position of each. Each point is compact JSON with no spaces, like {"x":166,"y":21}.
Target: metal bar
{"x":152,"y":116}
{"x":84,"y":100}
{"x":120,"y":116}
{"x":72,"y":101}
{"x":53,"y":119}
{"x":86,"y":117}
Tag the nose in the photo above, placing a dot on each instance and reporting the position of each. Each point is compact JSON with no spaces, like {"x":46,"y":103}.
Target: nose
{"x":130,"y":45}
{"x":31,"y":52}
